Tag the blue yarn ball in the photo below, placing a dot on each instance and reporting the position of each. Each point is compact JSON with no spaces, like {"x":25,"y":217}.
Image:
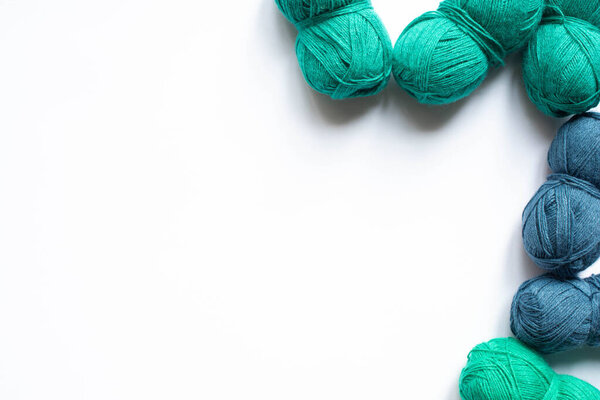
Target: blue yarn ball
{"x":551,"y":314}
{"x":576,"y":149}
{"x":561,"y":224}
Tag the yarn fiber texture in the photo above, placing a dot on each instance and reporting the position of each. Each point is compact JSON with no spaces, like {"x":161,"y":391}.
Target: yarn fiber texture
{"x":443,"y":55}
{"x":561,"y":66}
{"x":505,"y":369}
{"x":552,"y":314}
{"x":561,"y":224}
{"x":342,"y":46}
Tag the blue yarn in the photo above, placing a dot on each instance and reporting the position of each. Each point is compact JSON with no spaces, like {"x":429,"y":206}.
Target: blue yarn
{"x":552,"y":314}
{"x":561,"y":224}
{"x":576,"y":149}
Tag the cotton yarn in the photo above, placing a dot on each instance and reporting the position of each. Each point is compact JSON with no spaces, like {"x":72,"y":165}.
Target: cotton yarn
{"x":505,"y":369}
{"x":342,"y":46}
{"x":443,"y":55}
{"x":561,"y":224}
{"x":561,"y":66}
{"x":552,"y":314}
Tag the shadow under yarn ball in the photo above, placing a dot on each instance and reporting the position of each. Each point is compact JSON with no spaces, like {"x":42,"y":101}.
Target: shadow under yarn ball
{"x":505,"y":369}
{"x":552,"y":315}
{"x":561,"y":224}
{"x":343,"y":48}
{"x":561,"y":66}
{"x":443,"y":55}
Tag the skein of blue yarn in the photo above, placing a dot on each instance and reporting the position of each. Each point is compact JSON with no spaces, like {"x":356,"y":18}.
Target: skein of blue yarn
{"x":576,"y":150}
{"x":552,"y":314}
{"x":561,"y":224}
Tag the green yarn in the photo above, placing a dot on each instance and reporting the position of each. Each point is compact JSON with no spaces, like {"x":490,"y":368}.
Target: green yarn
{"x":505,"y":369}
{"x":343,"y":48}
{"x":443,"y":55}
{"x":561,"y":67}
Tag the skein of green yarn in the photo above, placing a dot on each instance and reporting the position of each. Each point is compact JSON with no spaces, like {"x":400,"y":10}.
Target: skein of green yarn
{"x":505,"y":369}
{"x":443,"y":55}
{"x":561,"y":66}
{"x":343,"y":48}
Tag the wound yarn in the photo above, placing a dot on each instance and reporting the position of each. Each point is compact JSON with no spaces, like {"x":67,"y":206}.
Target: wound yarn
{"x":561,"y":66}
{"x":561,"y":223}
{"x":505,"y":369}
{"x":443,"y":55}
{"x":342,"y":46}
{"x":552,"y":314}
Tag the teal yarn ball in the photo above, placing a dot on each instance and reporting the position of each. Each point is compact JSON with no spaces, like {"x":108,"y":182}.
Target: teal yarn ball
{"x":561,"y":66}
{"x":552,"y":314}
{"x":505,"y":369}
{"x":561,"y":224}
{"x":443,"y":55}
{"x":342,"y":46}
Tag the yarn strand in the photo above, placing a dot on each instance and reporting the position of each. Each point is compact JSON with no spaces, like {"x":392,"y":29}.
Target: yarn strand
{"x":490,"y":46}
{"x":345,"y":10}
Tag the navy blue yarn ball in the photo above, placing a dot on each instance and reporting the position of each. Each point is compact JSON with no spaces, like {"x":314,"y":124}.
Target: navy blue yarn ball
{"x":552,"y":314}
{"x":561,"y":224}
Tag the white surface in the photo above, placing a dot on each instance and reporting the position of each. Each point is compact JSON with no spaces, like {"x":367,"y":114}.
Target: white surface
{"x":181,"y":217}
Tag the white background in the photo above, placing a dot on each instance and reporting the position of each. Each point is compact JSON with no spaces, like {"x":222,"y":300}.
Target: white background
{"x":181,"y":217}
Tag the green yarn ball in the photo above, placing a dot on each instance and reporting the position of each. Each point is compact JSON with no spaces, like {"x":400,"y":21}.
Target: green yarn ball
{"x":443,"y":55}
{"x":505,"y":369}
{"x":343,"y":48}
{"x":561,"y":66}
